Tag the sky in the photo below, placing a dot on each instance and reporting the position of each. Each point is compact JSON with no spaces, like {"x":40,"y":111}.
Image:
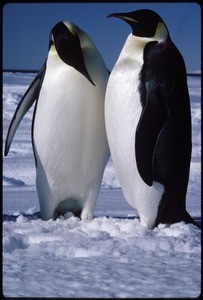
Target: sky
{"x":26,"y":28}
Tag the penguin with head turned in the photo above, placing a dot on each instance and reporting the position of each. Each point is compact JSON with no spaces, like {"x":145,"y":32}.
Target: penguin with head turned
{"x":148,"y":121}
{"x":68,"y":130}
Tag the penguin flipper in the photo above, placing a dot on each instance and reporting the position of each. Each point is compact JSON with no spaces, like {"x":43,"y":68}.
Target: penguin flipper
{"x":151,"y":122}
{"x":24,"y":105}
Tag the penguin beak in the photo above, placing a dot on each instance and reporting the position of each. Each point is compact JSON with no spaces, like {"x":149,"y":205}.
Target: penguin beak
{"x":123,"y":16}
{"x":86,"y":74}
{"x":68,"y":48}
{"x":76,"y":61}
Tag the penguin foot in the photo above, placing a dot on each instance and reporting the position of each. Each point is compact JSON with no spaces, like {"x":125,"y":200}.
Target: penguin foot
{"x":87,"y":215}
{"x":185,"y":217}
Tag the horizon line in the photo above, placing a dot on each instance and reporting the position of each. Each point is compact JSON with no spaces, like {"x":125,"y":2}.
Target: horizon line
{"x":190,"y":73}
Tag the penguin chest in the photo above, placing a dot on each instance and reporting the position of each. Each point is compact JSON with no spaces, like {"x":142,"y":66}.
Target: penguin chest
{"x":123,"y":110}
{"x":122,"y":113}
{"x":58,"y":112}
{"x":69,"y":121}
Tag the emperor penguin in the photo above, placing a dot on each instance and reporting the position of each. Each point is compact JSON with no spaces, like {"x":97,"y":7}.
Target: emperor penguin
{"x":68,"y":129}
{"x":148,"y":121}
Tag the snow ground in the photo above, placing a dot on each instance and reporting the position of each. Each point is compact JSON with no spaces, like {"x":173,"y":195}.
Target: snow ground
{"x":111,"y":256}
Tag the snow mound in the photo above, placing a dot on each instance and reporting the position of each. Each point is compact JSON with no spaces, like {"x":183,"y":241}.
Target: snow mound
{"x":110,"y":250}
{"x":100,"y":237}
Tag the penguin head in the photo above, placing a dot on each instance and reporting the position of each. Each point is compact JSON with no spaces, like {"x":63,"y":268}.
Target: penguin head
{"x":65,"y":39}
{"x":145,"y":23}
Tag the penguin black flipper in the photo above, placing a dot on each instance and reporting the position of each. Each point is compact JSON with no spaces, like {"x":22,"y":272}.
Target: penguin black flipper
{"x":151,"y":122}
{"x":24,"y":105}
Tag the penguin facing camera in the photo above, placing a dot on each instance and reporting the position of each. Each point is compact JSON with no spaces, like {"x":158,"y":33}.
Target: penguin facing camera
{"x":68,"y":128}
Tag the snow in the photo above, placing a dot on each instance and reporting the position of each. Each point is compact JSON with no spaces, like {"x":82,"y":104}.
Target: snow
{"x":112,"y":256}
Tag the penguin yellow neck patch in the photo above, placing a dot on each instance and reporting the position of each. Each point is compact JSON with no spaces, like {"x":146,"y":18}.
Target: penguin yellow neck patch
{"x":161,"y":33}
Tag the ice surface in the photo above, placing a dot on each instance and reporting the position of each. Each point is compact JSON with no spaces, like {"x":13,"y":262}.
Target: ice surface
{"x":110,"y":256}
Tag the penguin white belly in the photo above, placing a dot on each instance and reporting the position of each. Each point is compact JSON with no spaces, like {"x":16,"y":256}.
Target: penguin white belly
{"x":69,"y":141}
{"x":122,"y":113}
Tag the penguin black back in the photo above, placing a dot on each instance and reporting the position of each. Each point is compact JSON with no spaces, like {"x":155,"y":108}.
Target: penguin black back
{"x":158,"y":106}
{"x":164,"y":76}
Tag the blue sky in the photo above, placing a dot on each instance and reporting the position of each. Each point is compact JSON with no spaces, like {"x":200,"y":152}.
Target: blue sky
{"x":26,"y":29}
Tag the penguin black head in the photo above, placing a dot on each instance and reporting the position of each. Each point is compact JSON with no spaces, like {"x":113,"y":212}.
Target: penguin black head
{"x":143,"y":22}
{"x":67,"y":43}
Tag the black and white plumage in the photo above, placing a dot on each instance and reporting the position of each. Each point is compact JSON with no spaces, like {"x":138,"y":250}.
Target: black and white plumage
{"x":148,"y":121}
{"x":68,"y":131}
